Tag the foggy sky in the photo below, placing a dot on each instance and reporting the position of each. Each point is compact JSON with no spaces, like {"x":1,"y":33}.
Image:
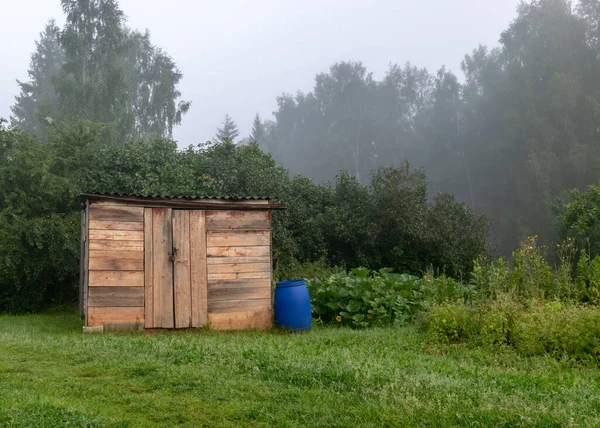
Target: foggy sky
{"x":237,"y":56}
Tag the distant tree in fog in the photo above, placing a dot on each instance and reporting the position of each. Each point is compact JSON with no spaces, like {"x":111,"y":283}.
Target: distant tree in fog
{"x":228,"y":132}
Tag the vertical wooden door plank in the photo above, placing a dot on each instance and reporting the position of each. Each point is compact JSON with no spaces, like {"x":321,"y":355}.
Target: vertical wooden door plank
{"x":199,"y":278}
{"x":162,"y":268}
{"x":181,"y":266}
{"x":148,"y":270}
{"x":86,"y":262}
{"x":81,"y":262}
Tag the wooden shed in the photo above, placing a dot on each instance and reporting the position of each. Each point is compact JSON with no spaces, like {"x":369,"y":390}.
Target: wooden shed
{"x":175,"y":262}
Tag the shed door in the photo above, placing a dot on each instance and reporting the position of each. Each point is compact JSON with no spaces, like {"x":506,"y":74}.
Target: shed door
{"x":175,"y":268}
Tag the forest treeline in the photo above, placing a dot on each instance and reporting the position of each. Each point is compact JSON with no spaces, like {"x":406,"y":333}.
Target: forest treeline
{"x":392,"y":173}
{"x":509,"y":137}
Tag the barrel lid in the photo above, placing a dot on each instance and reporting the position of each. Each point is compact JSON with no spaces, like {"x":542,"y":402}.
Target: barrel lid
{"x":291,"y":283}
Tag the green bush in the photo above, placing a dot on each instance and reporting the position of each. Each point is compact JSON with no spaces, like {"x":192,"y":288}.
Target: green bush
{"x":532,"y":328}
{"x":362,"y":298}
{"x":449,"y":323}
{"x":558,"y":330}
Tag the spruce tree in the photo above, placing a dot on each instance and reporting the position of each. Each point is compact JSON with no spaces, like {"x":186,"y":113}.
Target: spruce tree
{"x":229,"y":132}
{"x":257,"y":134}
{"x":34,"y":105}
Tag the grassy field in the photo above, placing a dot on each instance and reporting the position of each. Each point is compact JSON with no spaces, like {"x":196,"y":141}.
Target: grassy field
{"x":53,"y":375}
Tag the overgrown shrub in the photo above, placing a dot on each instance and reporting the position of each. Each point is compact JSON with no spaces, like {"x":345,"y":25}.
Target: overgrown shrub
{"x":532,"y":328}
{"x":529,"y":275}
{"x":449,"y":323}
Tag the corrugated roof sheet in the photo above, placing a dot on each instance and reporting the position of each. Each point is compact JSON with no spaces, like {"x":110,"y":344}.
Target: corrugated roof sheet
{"x":184,"y":197}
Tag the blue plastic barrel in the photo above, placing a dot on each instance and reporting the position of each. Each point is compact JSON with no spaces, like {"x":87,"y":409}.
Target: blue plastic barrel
{"x":292,"y":305}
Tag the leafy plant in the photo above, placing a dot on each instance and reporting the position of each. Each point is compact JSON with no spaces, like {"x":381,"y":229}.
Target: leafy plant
{"x":362,"y":298}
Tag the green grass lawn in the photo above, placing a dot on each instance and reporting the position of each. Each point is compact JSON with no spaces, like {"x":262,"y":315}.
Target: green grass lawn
{"x":53,"y":375}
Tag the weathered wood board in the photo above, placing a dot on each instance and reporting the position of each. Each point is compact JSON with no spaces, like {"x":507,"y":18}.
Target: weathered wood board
{"x":239,"y":283}
{"x":101,"y":315}
{"x":233,"y":251}
{"x":148,"y":269}
{"x":237,"y":260}
{"x":163,"y":268}
{"x":116,"y":296}
{"x":181,"y":269}
{"x":199,"y":278}
{"x":110,"y":245}
{"x":116,"y":278}
{"x":239,"y":267}
{"x":241,"y":320}
{"x":240,"y":275}
{"x":116,"y":260}
{"x":237,"y":220}
{"x":119,"y":213}
{"x":238,"y":239}
{"x":240,"y":293}
{"x":116,"y":225}
{"x":117,"y":235}
{"x":225,"y":306}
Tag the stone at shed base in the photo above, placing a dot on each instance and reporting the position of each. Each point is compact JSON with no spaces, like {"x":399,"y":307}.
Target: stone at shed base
{"x":93,"y":329}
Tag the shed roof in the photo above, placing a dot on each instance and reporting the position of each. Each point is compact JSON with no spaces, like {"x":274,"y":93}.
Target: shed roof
{"x":189,"y":201}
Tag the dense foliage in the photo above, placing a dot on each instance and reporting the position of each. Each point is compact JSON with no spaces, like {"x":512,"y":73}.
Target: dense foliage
{"x":580,"y":219}
{"x":525,"y":303}
{"x":386,"y":223}
{"x":362,"y":298}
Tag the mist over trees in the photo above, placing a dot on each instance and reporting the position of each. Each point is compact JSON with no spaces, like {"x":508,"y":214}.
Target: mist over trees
{"x":517,"y":130}
{"x":96,"y":68}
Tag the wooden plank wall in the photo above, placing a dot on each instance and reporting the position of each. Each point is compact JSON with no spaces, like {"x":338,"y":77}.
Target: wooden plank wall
{"x":116,"y":264}
{"x":239,"y":269}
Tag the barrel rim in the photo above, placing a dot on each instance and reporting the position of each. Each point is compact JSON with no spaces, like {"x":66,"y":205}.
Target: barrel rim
{"x":290,"y":283}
